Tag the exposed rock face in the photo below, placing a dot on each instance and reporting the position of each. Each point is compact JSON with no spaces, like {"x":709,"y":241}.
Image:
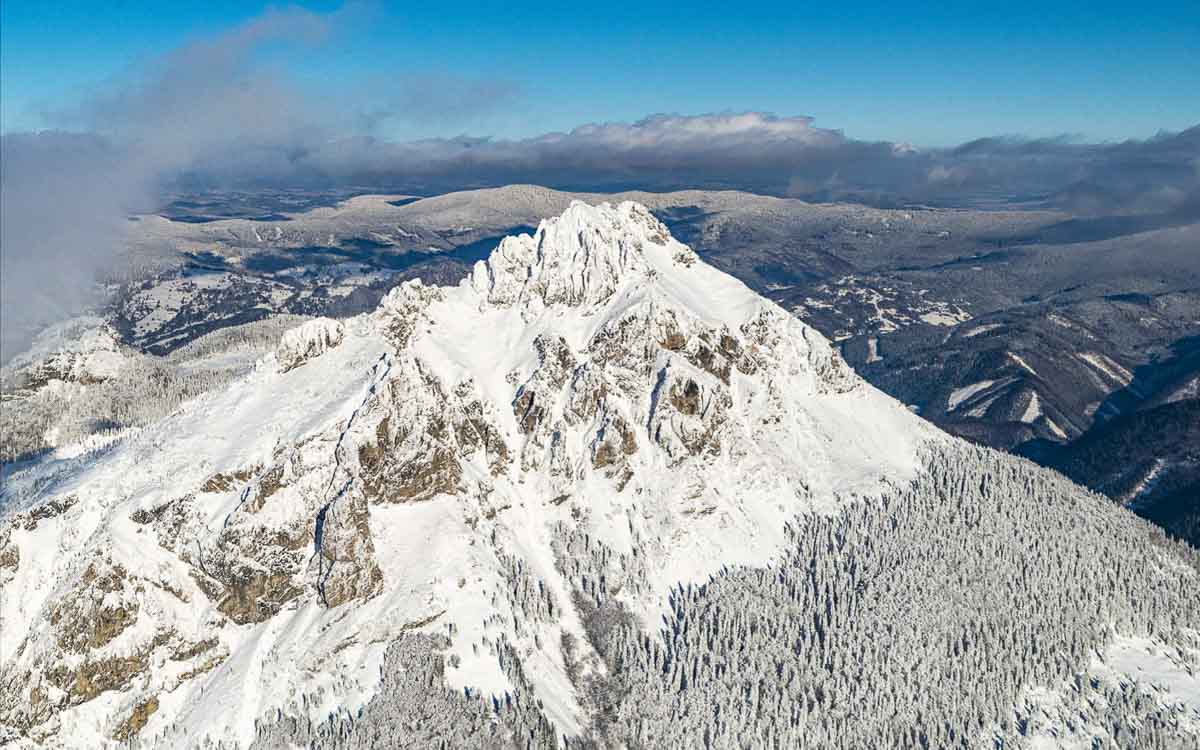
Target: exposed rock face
{"x":475,"y":430}
{"x":399,"y":472}
{"x":97,"y":611}
{"x":101,"y":638}
{"x":345,"y":565}
{"x":688,"y":417}
{"x":10,"y":555}
{"x":413,"y":456}
{"x":614,"y":441}
{"x":253,"y":596}
{"x":402,"y":310}
{"x":141,"y":714}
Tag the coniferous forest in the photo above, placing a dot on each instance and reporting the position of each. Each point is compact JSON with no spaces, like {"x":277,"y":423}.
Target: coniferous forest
{"x":920,"y":619}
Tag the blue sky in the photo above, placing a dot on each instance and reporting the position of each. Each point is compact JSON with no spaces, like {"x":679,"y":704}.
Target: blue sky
{"x":913,"y":72}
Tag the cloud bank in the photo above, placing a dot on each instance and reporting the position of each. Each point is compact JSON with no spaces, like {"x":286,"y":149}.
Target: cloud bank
{"x":222,"y":113}
{"x":753,"y":151}
{"x":784,"y":156}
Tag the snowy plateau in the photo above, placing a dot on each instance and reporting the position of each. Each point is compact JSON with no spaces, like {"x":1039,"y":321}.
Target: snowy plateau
{"x":599,"y":494}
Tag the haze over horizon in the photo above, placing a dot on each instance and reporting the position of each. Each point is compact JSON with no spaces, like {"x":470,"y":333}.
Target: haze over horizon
{"x":817,"y":105}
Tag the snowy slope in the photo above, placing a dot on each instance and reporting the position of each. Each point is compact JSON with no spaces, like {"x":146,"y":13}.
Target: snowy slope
{"x":274,"y":538}
{"x":80,"y":350}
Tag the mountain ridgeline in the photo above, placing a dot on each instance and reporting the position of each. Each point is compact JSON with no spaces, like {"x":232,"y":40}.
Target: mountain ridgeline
{"x":597,"y":495}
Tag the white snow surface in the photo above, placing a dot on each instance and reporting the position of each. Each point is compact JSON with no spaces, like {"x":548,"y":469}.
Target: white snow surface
{"x":1020,"y":362}
{"x":1163,"y":673}
{"x":1033,"y":409}
{"x":977,"y":330}
{"x":945,"y":318}
{"x":959,"y":395}
{"x":80,"y":349}
{"x":1107,"y":367}
{"x":1145,"y":484}
{"x":308,"y":340}
{"x":793,"y":431}
{"x":873,"y":350}
{"x":1053,"y":427}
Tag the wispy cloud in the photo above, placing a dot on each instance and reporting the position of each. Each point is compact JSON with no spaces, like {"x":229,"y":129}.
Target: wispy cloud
{"x":65,"y":195}
{"x":63,"y":202}
{"x":221,"y":110}
{"x":443,"y":99}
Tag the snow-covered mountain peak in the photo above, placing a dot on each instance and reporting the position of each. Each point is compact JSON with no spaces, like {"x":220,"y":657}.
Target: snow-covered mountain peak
{"x":601,"y":323}
{"x":580,"y":257}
